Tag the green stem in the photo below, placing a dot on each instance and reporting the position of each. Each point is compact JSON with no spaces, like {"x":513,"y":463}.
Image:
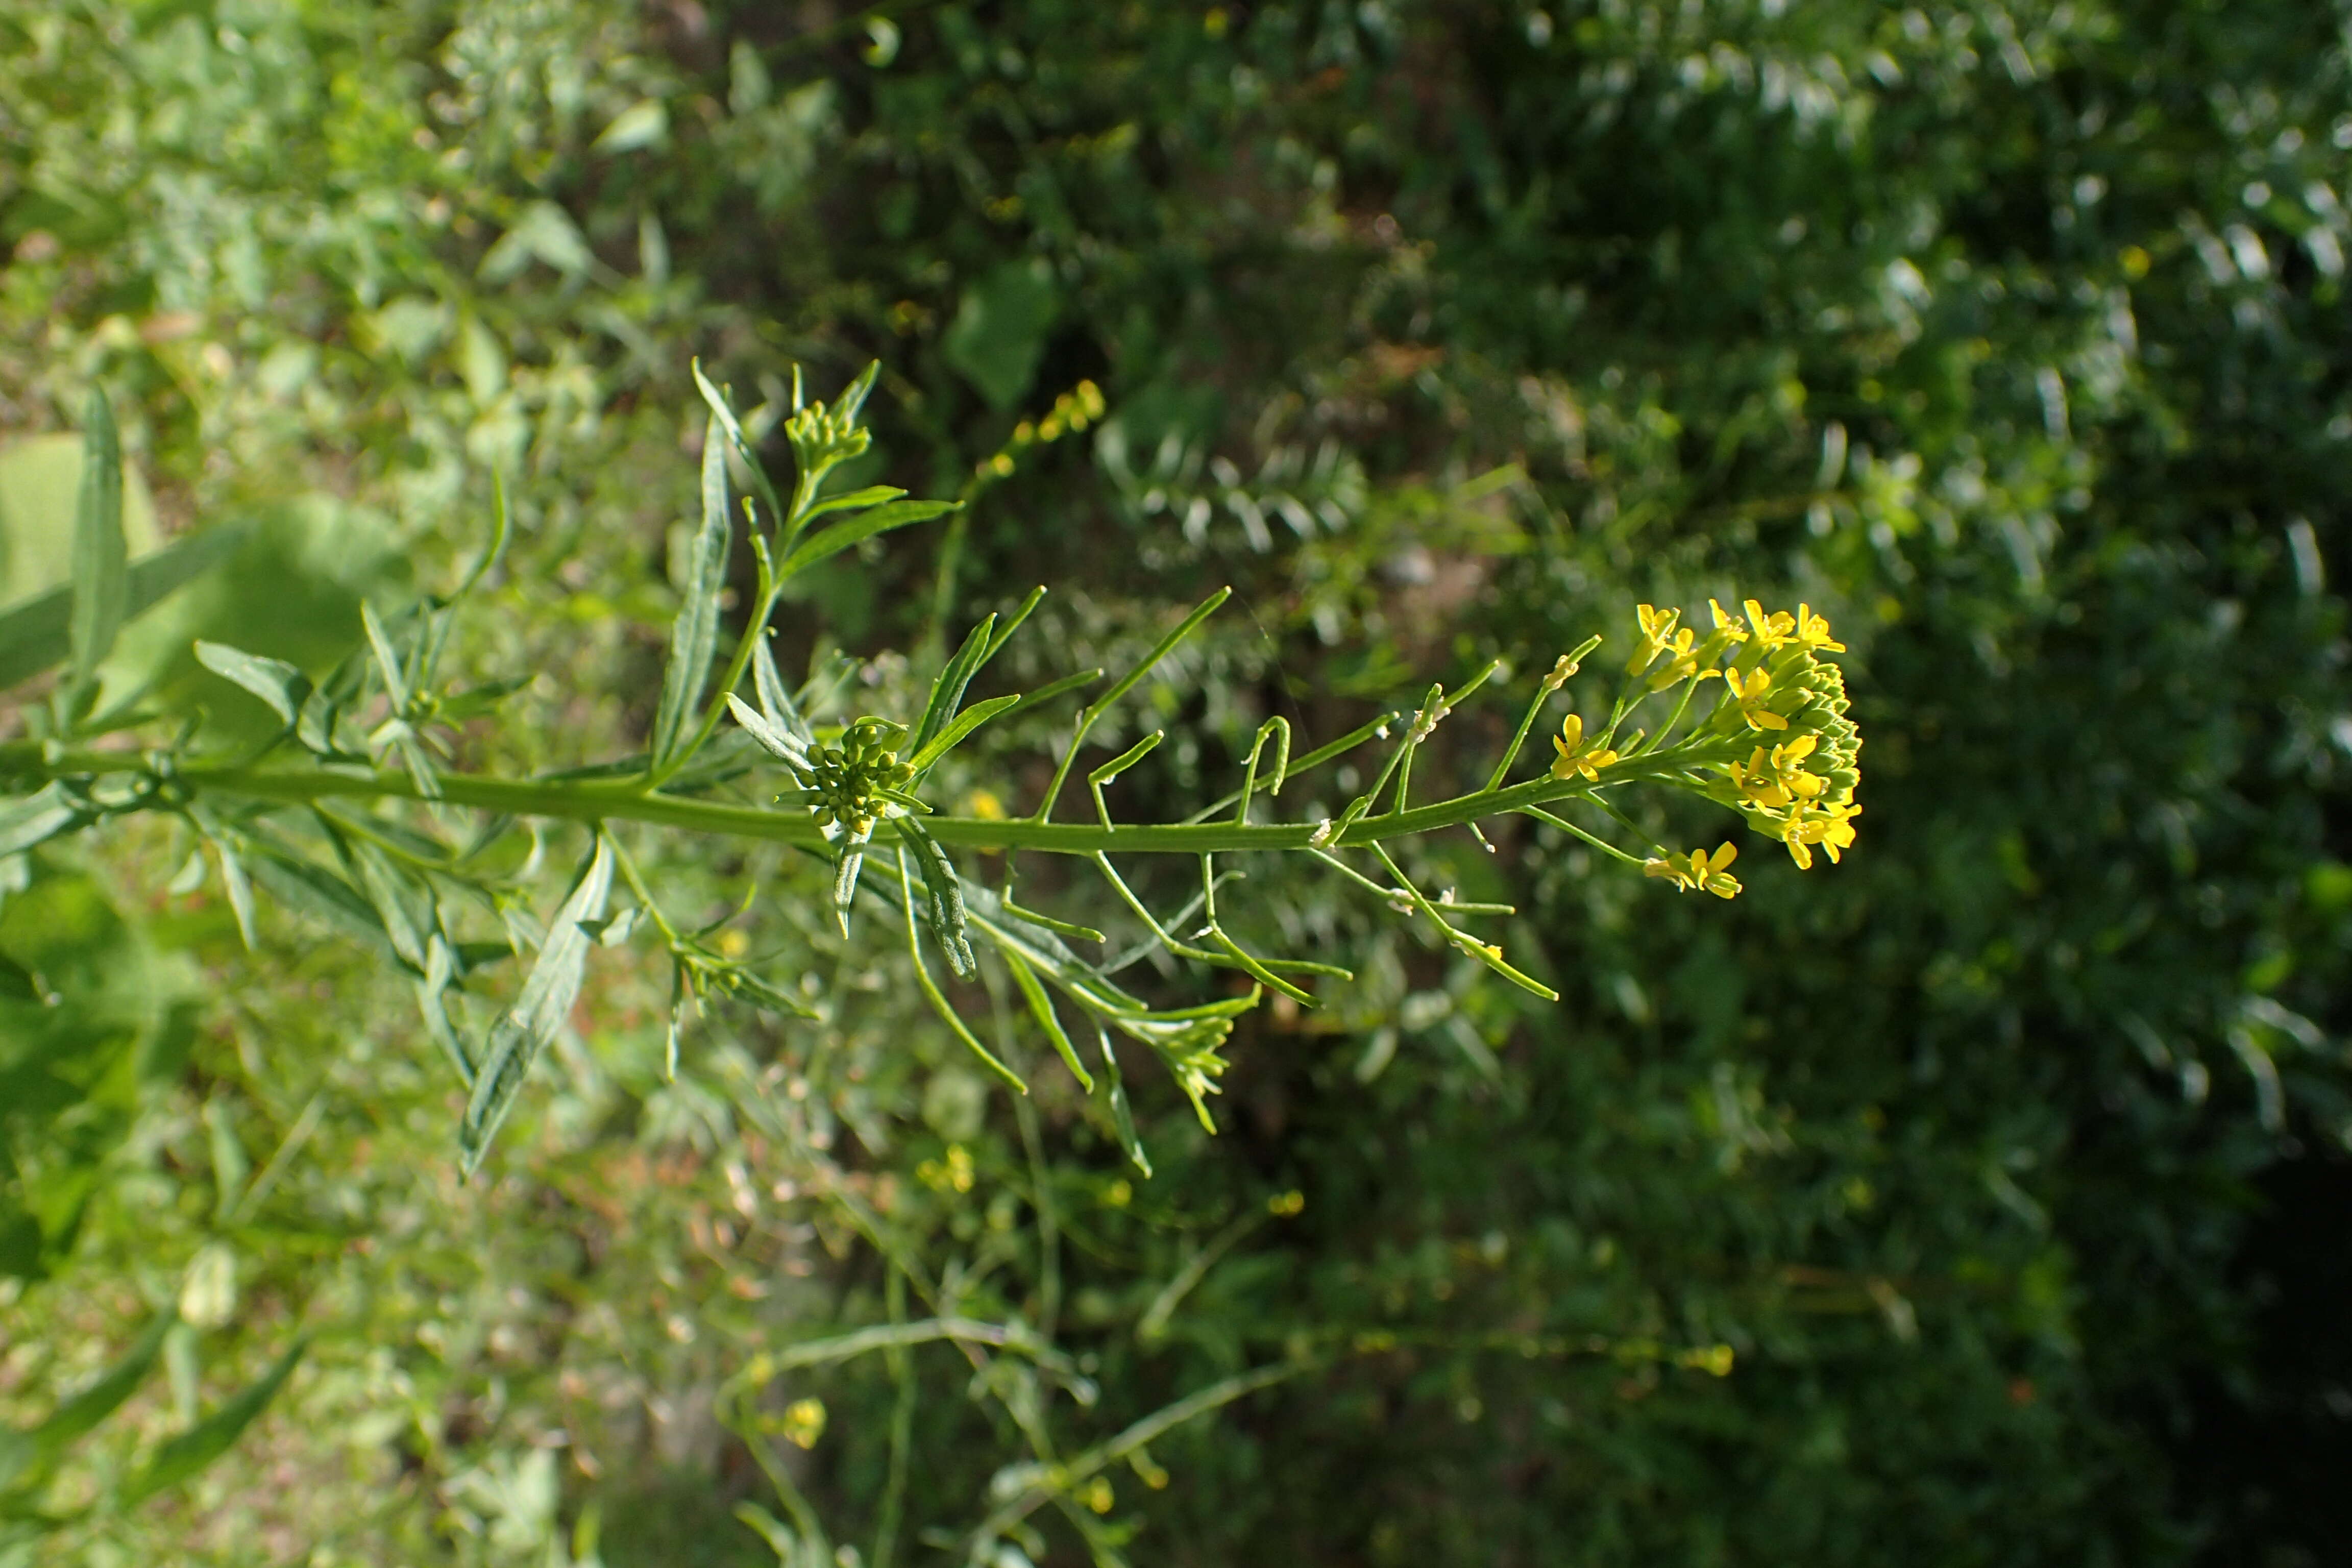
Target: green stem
{"x":628,"y":800}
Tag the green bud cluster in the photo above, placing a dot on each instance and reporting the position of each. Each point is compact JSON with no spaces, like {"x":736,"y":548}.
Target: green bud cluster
{"x":1822,"y":714}
{"x":851,"y":778}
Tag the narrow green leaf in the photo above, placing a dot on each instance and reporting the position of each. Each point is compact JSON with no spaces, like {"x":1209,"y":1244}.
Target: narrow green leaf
{"x":38,"y":816}
{"x":872,"y":495}
{"x":859,"y":529}
{"x":947,"y":688}
{"x":783,"y":747}
{"x":743,"y":445}
{"x":947,"y":740}
{"x":101,"y":1399}
{"x":319,"y":892}
{"x":1114,"y":1094}
{"x":1160,"y":650}
{"x":39,"y":632}
{"x":101,"y":556}
{"x":274,"y":681}
{"x":239,"y":890}
{"x":775,"y":698}
{"x":940,"y":878}
{"x":938,"y":998}
{"x":525,"y":1028}
{"x":694,"y":635}
{"x":1042,"y":1006}
{"x":387,"y":661}
{"x":405,"y":907}
{"x":1048,"y":693}
{"x":182,"y":1457}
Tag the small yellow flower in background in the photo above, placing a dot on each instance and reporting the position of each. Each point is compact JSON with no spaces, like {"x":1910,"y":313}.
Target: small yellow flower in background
{"x":1576,"y":759}
{"x":1286,"y":1204}
{"x":1749,"y":692}
{"x":1771,"y":631}
{"x":1097,"y":1495}
{"x":1118,"y":1194}
{"x":984,"y":805}
{"x":953,"y":1174}
{"x":802,"y":1422}
{"x":1699,"y":871}
{"x":733,"y":943}
{"x":1657,"y":630}
{"x":1814,"y":631}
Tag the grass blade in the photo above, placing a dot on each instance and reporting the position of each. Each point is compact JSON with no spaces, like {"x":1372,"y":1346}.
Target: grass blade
{"x":101,"y":1399}
{"x":182,"y":1457}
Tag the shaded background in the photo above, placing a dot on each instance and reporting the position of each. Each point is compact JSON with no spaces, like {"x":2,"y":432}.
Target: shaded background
{"x":2008,"y":1157}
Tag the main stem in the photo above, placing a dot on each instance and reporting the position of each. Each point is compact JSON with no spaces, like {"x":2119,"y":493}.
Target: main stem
{"x":628,"y":800}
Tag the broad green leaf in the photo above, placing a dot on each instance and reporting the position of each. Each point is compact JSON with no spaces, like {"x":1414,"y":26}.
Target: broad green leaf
{"x":101,"y":561}
{"x":36,"y":633}
{"x":182,"y":1457}
{"x":38,"y":816}
{"x":274,"y":681}
{"x":694,"y":635}
{"x":525,"y":1028}
{"x":102,"y":1399}
{"x":857,"y":530}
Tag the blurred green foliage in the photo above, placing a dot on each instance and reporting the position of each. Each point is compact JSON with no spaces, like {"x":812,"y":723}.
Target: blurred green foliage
{"x":2011,"y":334}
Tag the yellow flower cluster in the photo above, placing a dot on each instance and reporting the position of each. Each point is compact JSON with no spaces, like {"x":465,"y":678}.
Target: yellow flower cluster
{"x":1798,"y":782}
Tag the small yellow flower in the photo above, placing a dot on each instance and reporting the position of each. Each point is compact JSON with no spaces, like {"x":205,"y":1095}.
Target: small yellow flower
{"x":1726,"y":624}
{"x":1749,"y":692}
{"x":1771,"y":631}
{"x":1097,"y":1495}
{"x":1657,"y":630}
{"x":1576,"y":759}
{"x":1685,"y":658}
{"x":1698,"y":870}
{"x":984,"y":805}
{"x":1829,"y":825}
{"x":802,"y":1422}
{"x":1814,"y":631}
{"x":1758,"y":782}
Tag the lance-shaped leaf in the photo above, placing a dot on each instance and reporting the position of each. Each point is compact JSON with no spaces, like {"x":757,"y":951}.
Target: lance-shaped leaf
{"x":965,"y":722}
{"x":38,"y":633}
{"x":946,"y":912}
{"x":780,"y":745}
{"x":853,"y":500}
{"x":1113,"y":1090}
{"x":947,"y":692}
{"x":741,"y":443}
{"x":101,"y":556}
{"x":841,"y":536}
{"x":775,"y":698}
{"x":936,"y":997}
{"x":182,"y":1457}
{"x":1040,"y":1006}
{"x":525,"y":1028}
{"x":274,"y":681}
{"x":694,"y":635}
{"x":48,"y":811}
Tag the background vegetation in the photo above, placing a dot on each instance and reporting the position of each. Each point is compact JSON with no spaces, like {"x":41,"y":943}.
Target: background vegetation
{"x":2003,"y":1157}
